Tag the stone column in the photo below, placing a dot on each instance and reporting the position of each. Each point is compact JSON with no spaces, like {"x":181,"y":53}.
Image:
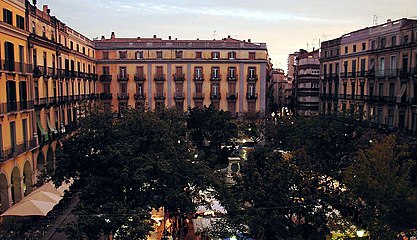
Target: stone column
{"x":6,"y":197}
{"x":18,"y":189}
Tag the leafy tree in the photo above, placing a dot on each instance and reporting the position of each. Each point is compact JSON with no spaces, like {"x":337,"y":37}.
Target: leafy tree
{"x":209,"y":129}
{"x":381,"y":181}
{"x":271,"y":200}
{"x":125,"y":167}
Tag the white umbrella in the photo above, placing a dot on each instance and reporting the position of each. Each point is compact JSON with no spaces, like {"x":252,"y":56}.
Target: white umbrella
{"x":30,"y":208}
{"x":43,"y":196}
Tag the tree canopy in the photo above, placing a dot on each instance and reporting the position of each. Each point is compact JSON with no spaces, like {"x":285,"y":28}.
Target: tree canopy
{"x":125,"y":167}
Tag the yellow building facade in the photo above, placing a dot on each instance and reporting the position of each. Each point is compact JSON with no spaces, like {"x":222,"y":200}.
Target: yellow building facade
{"x":373,"y":72}
{"x":151,"y":72}
{"x":47,"y":72}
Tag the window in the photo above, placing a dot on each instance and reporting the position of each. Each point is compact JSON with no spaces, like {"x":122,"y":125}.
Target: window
{"x":354,"y":48}
{"x":393,"y":40}
{"x":83,"y":50}
{"x":346,"y":49}
{"x":78,"y":47}
{"x":363,"y":46}
{"x":232,"y":73}
{"x":232,"y":55}
{"x":21,"y":58}
{"x":373,"y":45}
{"x":215,"y":90}
{"x":252,"y":72}
{"x":215,"y":72}
{"x":123,"y":73}
{"x":198,"y":55}
{"x":198,"y":87}
{"x":198,"y":72}
{"x":43,"y":31}
{"x":405,"y":39}
{"x":252,"y":55}
{"x":23,"y":95}
{"x":123,"y":88}
{"x":178,"y":73}
{"x":325,"y":54}
{"x":34,"y":30}
{"x":13,"y":135}
{"x":106,"y":70}
{"x":215,"y":55}
{"x":105,"y":55}
{"x":139,"y":73}
{"x":122,"y":54}
{"x":383,"y":42}
{"x":71,"y":45}
{"x":159,"y":72}
{"x":178,"y":54}
{"x":139,"y":55}
{"x":20,"y":22}
{"x":9,"y":56}
{"x":139,"y":89}
{"x":7,"y":16}
{"x":251,"y":90}
{"x":11,"y":96}
{"x":158,"y":54}
{"x":381,"y":89}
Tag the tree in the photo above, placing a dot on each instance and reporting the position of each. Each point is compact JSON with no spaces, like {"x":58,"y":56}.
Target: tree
{"x":209,"y":129}
{"x":271,"y":200}
{"x":125,"y":167}
{"x":380,"y":181}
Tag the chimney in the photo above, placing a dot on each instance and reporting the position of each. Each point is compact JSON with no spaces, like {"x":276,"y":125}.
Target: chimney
{"x":228,"y":36}
{"x":249,"y":40}
{"x":138,"y":38}
{"x":169,"y":37}
{"x":102,"y":37}
{"x":45,"y":8}
{"x":176,"y":39}
{"x":48,"y":11}
{"x":198,"y":39}
{"x":113,"y":36}
{"x":154,"y":36}
{"x":388,"y":20}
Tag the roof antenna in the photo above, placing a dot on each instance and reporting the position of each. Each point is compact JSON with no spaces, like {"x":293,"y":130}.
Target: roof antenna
{"x":214,"y":34}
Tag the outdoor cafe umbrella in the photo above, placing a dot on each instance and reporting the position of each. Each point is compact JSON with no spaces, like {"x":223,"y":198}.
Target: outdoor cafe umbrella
{"x":43,"y":196}
{"x":30,"y":208}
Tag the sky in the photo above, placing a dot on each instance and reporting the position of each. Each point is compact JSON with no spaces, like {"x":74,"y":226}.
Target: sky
{"x":285,"y":26}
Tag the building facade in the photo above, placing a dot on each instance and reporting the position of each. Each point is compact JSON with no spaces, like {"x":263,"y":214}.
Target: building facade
{"x":371,"y":73}
{"x":306,"y":83}
{"x":227,"y":74}
{"x":47,"y":72}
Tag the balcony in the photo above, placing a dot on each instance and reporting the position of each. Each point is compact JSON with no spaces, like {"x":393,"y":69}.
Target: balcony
{"x":198,"y":77}
{"x":159,"y":96}
{"x":123,"y":77}
{"x":252,"y":78}
{"x":94,"y":76}
{"x":15,"y":66}
{"x":179,"y":95}
{"x":106,"y":96}
{"x":81,"y":74}
{"x":53,"y":100}
{"x":179,"y":77}
{"x":231,"y":97}
{"x":215,"y":77}
{"x":160,"y":78}
{"x":140,"y":96}
{"x":37,"y":71}
{"x":40,"y":102}
{"x":199,"y":95}
{"x":232,"y":78}
{"x":105,"y":78}
{"x":6,"y":154}
{"x":251,"y":96}
{"x":140,"y":77}
{"x":123,"y":96}
{"x":215,"y":96}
